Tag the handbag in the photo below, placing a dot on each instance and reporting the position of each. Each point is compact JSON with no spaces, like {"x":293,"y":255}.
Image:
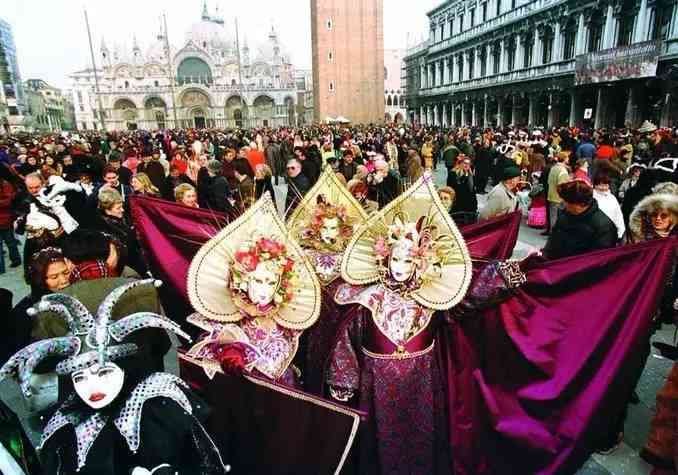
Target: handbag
{"x":536,"y":217}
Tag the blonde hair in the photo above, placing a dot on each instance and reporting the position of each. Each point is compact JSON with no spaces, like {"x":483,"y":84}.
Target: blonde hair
{"x":265,"y":170}
{"x":109,"y":197}
{"x":146,"y":184}
{"x":181,"y":190}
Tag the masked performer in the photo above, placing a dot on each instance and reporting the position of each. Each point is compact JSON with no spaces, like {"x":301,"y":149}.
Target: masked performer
{"x":323,"y":225}
{"x":115,"y":420}
{"x":254,"y":293}
{"x":403,"y":265}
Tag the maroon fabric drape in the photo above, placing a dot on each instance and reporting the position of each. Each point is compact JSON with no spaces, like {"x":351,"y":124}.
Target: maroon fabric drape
{"x":533,"y":381}
{"x":493,"y":239}
{"x":170,"y":235}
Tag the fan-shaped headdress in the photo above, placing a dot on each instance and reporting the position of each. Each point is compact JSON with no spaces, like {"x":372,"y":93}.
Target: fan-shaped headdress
{"x":328,"y":197}
{"x":419,"y":220}
{"x":216,"y":278}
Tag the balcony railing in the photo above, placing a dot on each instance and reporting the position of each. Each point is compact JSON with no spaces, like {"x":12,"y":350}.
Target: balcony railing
{"x":518,"y":13}
{"x":417,"y":48}
{"x":535,"y":72}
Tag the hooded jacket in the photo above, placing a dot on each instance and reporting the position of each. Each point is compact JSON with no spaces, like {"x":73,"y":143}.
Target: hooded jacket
{"x":640,"y":225}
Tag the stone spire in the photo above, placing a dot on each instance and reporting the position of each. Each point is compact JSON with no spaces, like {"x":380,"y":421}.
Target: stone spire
{"x":205,"y":13}
{"x":245,"y":53}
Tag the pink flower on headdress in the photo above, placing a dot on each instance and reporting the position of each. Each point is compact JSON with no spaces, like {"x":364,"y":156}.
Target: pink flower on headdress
{"x":247,"y":259}
{"x":381,"y":249}
{"x":274,"y":248}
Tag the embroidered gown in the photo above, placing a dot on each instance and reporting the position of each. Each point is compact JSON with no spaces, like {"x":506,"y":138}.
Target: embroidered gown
{"x":386,"y":359}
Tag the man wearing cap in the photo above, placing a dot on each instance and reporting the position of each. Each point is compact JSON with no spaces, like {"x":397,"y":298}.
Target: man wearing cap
{"x":502,"y":199}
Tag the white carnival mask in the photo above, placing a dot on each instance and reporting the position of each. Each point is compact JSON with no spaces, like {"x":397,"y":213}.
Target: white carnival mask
{"x":329,"y":231}
{"x":261,"y":285}
{"x":97,"y":385}
{"x":401,"y":263}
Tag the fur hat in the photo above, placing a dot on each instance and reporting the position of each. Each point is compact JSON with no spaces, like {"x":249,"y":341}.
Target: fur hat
{"x":648,"y":205}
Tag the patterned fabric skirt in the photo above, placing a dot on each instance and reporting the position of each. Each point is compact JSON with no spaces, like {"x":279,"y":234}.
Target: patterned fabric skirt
{"x":406,"y":431}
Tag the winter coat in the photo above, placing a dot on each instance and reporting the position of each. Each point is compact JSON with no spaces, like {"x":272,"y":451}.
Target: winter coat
{"x":7,"y":194}
{"x":578,"y":234}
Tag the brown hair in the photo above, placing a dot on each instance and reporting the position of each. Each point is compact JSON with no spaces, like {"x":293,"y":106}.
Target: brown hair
{"x":576,"y":192}
{"x":37,"y":268}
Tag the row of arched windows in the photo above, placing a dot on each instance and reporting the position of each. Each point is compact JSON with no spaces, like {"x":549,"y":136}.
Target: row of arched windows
{"x":395,"y":101}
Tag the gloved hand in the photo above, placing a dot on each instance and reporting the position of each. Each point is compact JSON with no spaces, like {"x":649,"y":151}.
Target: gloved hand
{"x":67,"y":222}
{"x":164,"y":469}
{"x":60,"y":186}
{"x":231,"y":357}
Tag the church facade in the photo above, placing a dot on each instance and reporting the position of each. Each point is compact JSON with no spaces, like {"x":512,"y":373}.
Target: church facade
{"x":213,"y":80}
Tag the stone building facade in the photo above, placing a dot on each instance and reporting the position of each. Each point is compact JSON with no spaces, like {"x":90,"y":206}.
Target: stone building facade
{"x":394,"y":95}
{"x":45,"y":105}
{"x":348,"y":59}
{"x":604,"y":63}
{"x":213,"y":80}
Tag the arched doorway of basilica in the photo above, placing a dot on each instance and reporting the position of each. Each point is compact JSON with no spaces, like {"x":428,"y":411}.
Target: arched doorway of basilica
{"x":155,"y":112}
{"x":199,"y":117}
{"x":289,"y":106}
{"x":235,"y":111}
{"x":197,"y":103}
{"x":126,"y":113}
{"x":398,"y":119}
{"x":264,"y":108}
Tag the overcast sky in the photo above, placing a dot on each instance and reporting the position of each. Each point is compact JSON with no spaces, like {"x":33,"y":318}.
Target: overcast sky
{"x":51,"y":36}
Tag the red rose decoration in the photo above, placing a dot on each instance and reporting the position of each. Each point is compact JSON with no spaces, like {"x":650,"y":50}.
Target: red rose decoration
{"x":231,"y":357}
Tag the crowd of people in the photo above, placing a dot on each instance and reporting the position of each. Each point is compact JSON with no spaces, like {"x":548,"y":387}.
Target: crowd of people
{"x":68,"y":194}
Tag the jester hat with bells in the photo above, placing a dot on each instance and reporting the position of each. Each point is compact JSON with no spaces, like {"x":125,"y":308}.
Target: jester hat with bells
{"x":99,"y":334}
{"x":416,"y":219}
{"x":102,"y":338}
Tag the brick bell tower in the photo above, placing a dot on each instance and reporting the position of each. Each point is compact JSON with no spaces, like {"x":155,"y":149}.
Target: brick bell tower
{"x":348,"y":60}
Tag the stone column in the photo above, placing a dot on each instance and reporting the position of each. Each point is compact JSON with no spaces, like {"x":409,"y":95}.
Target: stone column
{"x":422,"y":77}
{"x":500,"y":111}
{"x":486,"y":119}
{"x":581,"y":36}
{"x":515,"y":112}
{"x":574,"y":108}
{"x":640,"y":30}
{"x":673,"y":31}
{"x":453,"y":114}
{"x":536,"y":49}
{"x":477,"y":55}
{"x":435,"y":115}
{"x":470,"y":55}
{"x":502,"y":57}
{"x":551,"y":113}
{"x":444,"y":114}
{"x":599,"y":120}
{"x":490,"y":60}
{"x":422,"y":117}
{"x":632,"y":116}
{"x":474,"y":113}
{"x":463,"y":115}
{"x":557,"y":42}
{"x":608,"y":31}
{"x":520,"y":53}
{"x":446,"y":71}
{"x":455,"y":69}
{"x":665,"y":120}
{"x":532,"y":104}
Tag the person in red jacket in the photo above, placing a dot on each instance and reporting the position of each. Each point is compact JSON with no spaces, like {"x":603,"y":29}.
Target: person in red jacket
{"x":7,"y":194}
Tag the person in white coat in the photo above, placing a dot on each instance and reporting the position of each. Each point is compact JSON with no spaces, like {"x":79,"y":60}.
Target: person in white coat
{"x":608,"y":203}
